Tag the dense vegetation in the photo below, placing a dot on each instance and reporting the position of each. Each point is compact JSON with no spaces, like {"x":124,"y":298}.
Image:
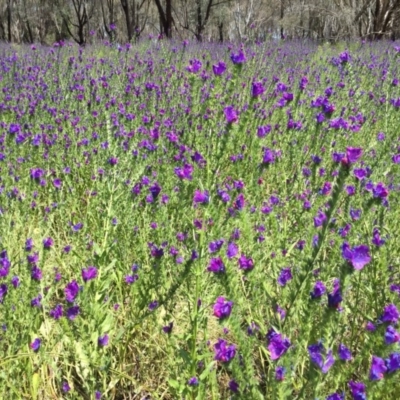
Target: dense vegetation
{"x":199,"y":221}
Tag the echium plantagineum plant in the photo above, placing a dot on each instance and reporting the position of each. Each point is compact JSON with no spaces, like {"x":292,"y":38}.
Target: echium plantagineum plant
{"x":226,"y":214}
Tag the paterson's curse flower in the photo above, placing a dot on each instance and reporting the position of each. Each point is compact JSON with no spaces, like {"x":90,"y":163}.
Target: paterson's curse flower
{"x":390,"y":314}
{"x":224,"y":352}
{"x":318,"y":355}
{"x":71,"y":291}
{"x":278,"y":345}
{"x":216,"y":265}
{"x":378,"y":368}
{"x":222,"y":308}
{"x":358,"y":390}
{"x":231,"y":114}
{"x":358,"y":256}
{"x":89,"y":273}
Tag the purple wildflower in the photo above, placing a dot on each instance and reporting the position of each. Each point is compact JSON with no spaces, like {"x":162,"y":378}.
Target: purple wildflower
{"x":278,"y":346}
{"x":245,"y":263}
{"x":219,"y":68}
{"x":318,"y":290}
{"x":103,"y":340}
{"x":344,"y":352}
{"x":390,"y":314}
{"x":378,"y":368}
{"x":89,"y":273}
{"x":232,"y":250}
{"x":285,"y":276}
{"x":216,"y":265}
{"x":35,"y":345}
{"x":56,"y":312}
{"x":358,"y":390}
{"x":358,"y":256}
{"x":224,"y":352}
{"x":318,"y":355}
{"x":230,"y":114}
{"x":71,"y":291}
{"x":391,"y":335}
{"x":201,"y":197}
{"x":222,"y":308}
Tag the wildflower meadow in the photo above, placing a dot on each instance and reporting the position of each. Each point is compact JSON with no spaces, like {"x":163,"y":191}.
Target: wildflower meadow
{"x":200,"y":221}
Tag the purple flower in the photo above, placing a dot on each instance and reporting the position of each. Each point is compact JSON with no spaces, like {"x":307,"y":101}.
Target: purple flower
{"x":268,"y":156}
{"x":4,"y":264}
{"x":155,"y":190}
{"x":224,"y":352}
{"x":48,"y":243}
{"x":344,"y":352}
{"x":245,"y":263}
{"x":129,"y":279}
{"x":336,"y":396}
{"x":97,"y":395}
{"x":215,"y":246}
{"x":71,"y":291}
{"x":193,"y":381}
{"x":357,"y":390}
{"x":280,"y":373}
{"x":29,"y":244}
{"x":376,"y":238}
{"x":379,"y":191}
{"x":201,"y":197}
{"x":390,"y":314}
{"x":35,"y":345}
{"x":285,"y":276}
{"x":65,"y":387}
{"x":168,"y":328}
{"x":216,"y":265}
{"x":278,"y":346}
{"x":103,"y":340}
{"x":396,"y":158}
{"x":153,"y":305}
{"x":15,"y":281}
{"x":230,"y":114}
{"x":56,"y":312}
{"x":318,"y":290}
{"x":36,"y":302}
{"x":233,"y":386}
{"x":194,"y":66}
{"x":360,"y":173}
{"x":219,"y":68}
{"x":335,"y":297}
{"x":257,"y":89}
{"x":89,"y":273}
{"x":36,"y":273}
{"x":370,"y":327}
{"x":358,"y":256}
{"x":344,"y":57}
{"x":232,"y":250}
{"x":391,"y":335}
{"x":393,"y":362}
{"x":222,"y":308}
{"x":319,"y":219}
{"x":73,"y":312}
{"x":353,"y":154}
{"x":239,"y":58}
{"x":57,"y":183}
{"x":378,"y":368}
{"x":318,"y":355}
{"x":77,"y":227}
{"x":185,"y":172}
{"x":355,"y":214}
{"x":3,"y":292}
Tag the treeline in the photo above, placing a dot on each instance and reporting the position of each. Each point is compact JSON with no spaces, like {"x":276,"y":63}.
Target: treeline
{"x":86,"y":21}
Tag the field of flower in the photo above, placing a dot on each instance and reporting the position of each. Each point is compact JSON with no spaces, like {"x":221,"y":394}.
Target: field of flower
{"x":200,"y":221}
